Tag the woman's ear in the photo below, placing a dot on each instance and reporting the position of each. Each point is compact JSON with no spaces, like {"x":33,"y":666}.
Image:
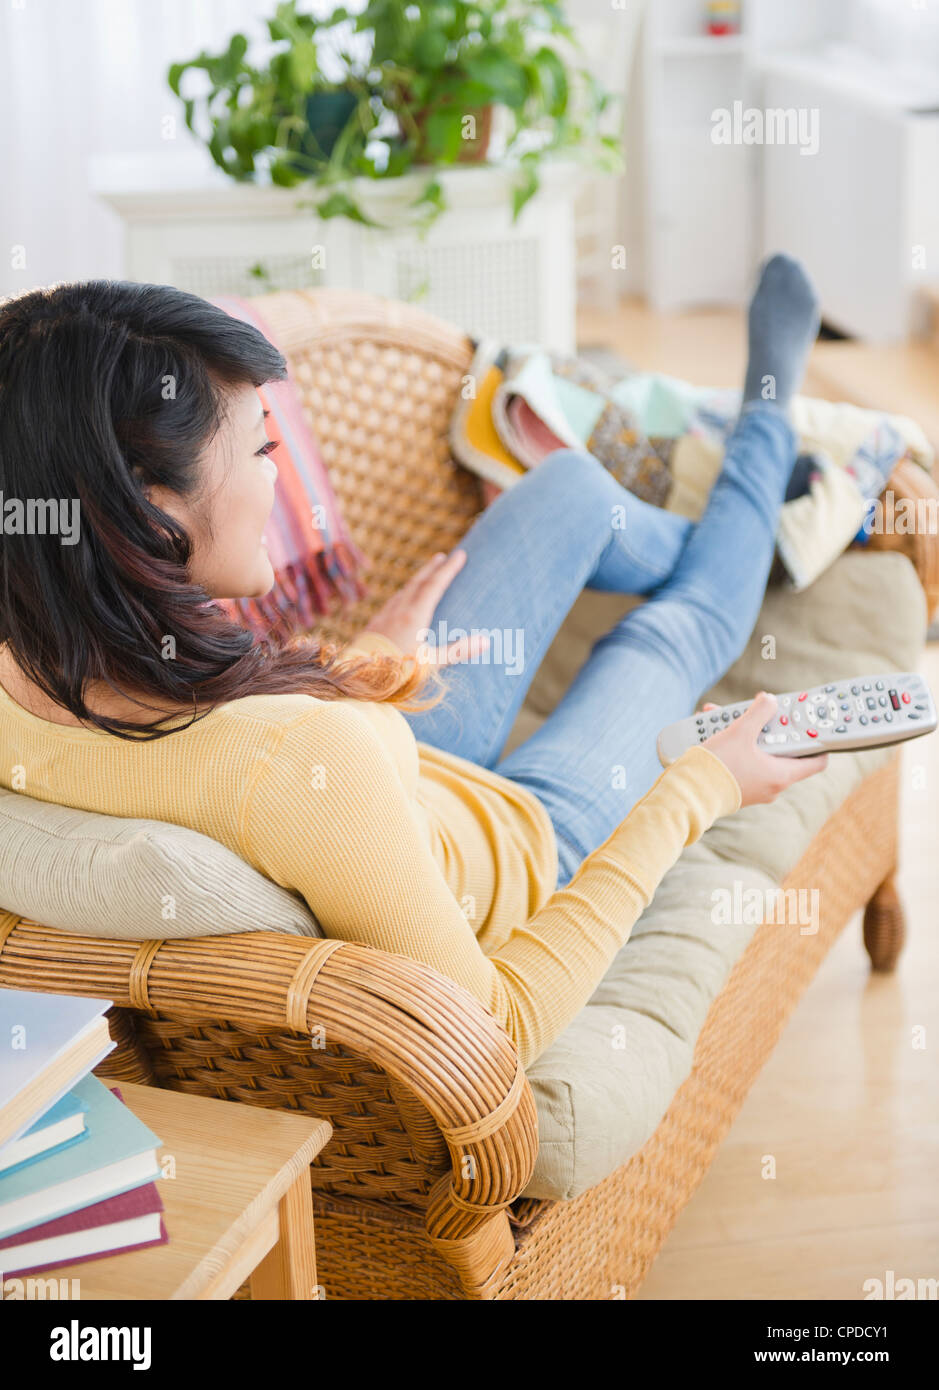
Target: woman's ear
{"x":169,"y":502}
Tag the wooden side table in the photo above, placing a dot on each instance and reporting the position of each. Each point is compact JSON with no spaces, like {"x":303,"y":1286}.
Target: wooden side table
{"x":239,"y":1205}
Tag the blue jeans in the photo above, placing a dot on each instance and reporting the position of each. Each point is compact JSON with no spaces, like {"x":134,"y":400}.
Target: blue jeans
{"x":569,"y":525}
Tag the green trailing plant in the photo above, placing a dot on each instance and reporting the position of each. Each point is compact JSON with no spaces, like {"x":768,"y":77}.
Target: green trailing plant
{"x":393,"y":89}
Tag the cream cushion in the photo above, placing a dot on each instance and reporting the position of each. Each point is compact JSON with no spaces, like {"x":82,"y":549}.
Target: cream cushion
{"x":132,"y":879}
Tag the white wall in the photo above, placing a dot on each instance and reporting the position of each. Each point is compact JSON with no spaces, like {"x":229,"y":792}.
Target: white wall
{"x":854,"y":211}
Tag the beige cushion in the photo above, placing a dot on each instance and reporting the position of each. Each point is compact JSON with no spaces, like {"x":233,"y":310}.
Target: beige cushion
{"x":598,"y":1102}
{"x":132,"y":879}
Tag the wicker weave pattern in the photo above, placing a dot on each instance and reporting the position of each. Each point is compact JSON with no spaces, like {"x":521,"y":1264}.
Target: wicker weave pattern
{"x":385,"y":1144}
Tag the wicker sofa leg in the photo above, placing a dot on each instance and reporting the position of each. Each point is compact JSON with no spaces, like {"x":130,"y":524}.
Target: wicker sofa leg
{"x":884,"y":926}
{"x":480,"y":1248}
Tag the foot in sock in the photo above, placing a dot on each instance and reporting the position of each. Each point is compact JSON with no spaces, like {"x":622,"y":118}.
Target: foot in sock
{"x":783,"y":325}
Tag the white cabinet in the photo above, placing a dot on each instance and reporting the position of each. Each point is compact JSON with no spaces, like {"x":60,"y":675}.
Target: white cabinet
{"x":698,"y":234}
{"x":863,"y":214}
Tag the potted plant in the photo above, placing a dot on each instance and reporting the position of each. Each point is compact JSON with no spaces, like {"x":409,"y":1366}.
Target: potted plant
{"x":394,"y":89}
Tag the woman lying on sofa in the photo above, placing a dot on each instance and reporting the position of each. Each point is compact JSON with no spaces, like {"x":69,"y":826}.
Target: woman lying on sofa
{"x":390,"y":810}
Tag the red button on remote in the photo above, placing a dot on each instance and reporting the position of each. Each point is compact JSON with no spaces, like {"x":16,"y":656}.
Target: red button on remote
{"x":803,"y":695}
{"x":783,"y":719}
{"x":812,"y":733}
{"x":905,"y":697}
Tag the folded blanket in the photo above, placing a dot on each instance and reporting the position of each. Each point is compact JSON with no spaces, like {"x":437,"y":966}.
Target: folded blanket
{"x":664,"y":440}
{"x":314,"y":559}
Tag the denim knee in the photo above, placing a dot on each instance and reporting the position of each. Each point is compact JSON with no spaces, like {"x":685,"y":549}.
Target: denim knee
{"x":575,"y":471}
{"x":575,"y":486}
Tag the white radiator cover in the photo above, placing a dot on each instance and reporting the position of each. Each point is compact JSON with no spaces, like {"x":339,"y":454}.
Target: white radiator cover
{"x":515,"y":282}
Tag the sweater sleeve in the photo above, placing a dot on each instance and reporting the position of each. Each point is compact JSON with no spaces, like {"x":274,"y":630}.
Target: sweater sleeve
{"x":328,"y":816}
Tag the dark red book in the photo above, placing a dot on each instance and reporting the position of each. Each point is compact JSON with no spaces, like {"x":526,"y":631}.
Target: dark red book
{"x":129,"y":1221}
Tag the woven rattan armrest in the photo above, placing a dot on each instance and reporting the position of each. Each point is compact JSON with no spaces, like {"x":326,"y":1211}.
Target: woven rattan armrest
{"x":432,"y":1037}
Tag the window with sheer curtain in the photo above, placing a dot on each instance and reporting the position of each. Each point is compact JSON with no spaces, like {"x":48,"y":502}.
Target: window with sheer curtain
{"x":80,"y":78}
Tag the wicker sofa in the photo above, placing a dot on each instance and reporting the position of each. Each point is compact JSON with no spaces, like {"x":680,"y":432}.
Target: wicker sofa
{"x":425,"y":1190}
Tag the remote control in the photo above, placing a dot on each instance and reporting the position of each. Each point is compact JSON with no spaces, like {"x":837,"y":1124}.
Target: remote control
{"x":859,"y":712}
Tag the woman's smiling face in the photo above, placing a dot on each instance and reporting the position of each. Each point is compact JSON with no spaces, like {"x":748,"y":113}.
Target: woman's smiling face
{"x":226,"y":519}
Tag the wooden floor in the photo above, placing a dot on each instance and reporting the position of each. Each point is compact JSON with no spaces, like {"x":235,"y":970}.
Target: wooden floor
{"x":848,"y":1105}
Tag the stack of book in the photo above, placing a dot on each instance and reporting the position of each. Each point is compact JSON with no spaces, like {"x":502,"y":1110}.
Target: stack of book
{"x":78,"y":1170}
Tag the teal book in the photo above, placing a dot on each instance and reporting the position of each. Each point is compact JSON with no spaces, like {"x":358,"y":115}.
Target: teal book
{"x":63,"y":1124}
{"x":119,"y":1154}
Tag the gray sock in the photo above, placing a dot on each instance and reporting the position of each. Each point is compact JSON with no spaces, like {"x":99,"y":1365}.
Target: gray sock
{"x":783,"y":324}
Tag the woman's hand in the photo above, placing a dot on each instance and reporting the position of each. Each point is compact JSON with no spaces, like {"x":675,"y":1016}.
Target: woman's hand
{"x":407,"y":616}
{"x":760,"y":776}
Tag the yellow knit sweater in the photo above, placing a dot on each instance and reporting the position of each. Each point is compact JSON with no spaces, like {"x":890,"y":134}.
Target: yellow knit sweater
{"x":391,"y":842}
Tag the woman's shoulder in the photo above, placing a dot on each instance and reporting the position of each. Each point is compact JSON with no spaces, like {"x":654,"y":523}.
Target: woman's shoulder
{"x":280,"y":710}
{"x":353,"y":747}
{"x":304,"y":716}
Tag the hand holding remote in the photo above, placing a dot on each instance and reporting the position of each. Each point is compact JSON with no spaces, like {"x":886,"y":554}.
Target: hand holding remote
{"x":761,"y":776}
{"x":856,"y":712}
